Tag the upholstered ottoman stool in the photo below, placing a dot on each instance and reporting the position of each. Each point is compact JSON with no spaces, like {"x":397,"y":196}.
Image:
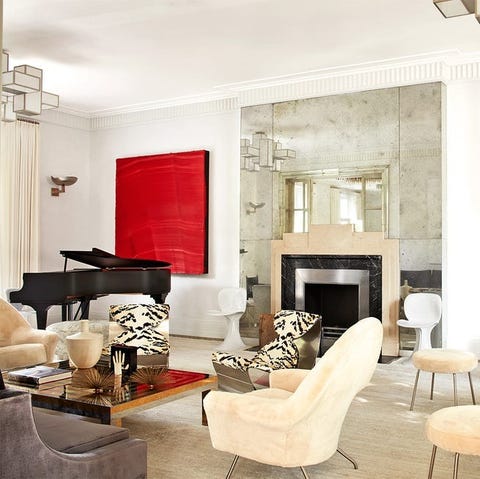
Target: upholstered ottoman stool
{"x":449,"y":361}
{"x":455,"y":429}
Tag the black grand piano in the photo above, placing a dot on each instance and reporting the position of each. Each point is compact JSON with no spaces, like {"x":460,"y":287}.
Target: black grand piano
{"x":112,"y":275}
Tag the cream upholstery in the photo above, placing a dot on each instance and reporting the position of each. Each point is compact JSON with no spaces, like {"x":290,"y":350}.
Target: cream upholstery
{"x":20,"y":344}
{"x":455,"y":429}
{"x":297,"y":420}
{"x":445,"y":361}
{"x":449,"y":361}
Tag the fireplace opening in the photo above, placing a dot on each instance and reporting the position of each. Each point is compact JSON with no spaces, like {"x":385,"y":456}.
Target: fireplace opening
{"x":336,"y":303}
{"x":340,"y":296}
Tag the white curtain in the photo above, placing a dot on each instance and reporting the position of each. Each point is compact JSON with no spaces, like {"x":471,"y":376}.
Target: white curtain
{"x":19,"y":227}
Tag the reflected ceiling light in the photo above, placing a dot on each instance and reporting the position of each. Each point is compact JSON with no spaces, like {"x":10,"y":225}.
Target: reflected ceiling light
{"x":22,"y":91}
{"x":263,"y":152}
{"x":456,"y":8}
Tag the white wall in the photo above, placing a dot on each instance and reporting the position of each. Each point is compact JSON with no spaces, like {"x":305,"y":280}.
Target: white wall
{"x":64,"y":222}
{"x":83,"y":217}
{"x":461,"y":226}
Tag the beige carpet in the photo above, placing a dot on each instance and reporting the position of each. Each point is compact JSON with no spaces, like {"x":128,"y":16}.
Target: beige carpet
{"x":380,"y":432}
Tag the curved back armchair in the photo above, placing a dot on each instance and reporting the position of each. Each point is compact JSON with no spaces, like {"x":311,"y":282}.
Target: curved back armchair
{"x":20,"y":344}
{"x":300,"y":416}
{"x":43,"y":445}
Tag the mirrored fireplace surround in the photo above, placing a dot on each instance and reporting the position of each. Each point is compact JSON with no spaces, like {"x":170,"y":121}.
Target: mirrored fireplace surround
{"x":340,"y":241}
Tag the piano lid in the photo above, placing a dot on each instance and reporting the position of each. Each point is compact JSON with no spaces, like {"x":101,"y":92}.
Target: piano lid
{"x":104,"y":260}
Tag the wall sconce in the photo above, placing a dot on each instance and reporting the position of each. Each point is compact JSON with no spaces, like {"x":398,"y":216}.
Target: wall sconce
{"x":254,"y":206}
{"x":62,"y":181}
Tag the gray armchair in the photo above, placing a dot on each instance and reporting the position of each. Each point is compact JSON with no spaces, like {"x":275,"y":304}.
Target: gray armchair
{"x":44,"y":445}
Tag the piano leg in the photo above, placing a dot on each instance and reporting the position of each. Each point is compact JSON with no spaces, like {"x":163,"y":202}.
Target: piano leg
{"x":159,"y":298}
{"x":41,"y":316}
{"x":67,"y":312}
{"x":85,"y":308}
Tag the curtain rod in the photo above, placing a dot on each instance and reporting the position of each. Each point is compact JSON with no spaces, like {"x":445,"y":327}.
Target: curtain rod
{"x":27,"y":120}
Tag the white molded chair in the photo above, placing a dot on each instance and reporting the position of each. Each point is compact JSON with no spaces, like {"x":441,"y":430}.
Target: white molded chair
{"x":423,"y":312}
{"x":232,"y":303}
{"x":297,"y":421}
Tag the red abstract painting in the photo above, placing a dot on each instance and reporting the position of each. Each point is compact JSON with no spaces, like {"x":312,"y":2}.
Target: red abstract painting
{"x":162,"y":209}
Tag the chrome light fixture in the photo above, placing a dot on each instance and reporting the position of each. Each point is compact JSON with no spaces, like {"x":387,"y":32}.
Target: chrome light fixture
{"x":455,"y":8}
{"x":263,"y":152}
{"x":61,"y":182}
{"x":22,"y":91}
{"x":253,"y":206}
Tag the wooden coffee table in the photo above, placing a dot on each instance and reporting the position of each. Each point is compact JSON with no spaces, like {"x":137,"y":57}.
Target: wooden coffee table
{"x":111,"y":406}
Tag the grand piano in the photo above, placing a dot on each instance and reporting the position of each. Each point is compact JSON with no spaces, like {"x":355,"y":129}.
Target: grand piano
{"x":111,"y":275}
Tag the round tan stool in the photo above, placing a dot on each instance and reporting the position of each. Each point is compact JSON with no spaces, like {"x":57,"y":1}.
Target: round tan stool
{"x":455,"y":429}
{"x":450,"y":361}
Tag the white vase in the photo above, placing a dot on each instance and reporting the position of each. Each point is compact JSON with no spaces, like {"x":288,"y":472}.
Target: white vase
{"x":84,"y":348}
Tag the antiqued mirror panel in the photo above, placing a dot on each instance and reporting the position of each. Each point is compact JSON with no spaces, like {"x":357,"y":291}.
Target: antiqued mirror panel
{"x":371,"y":159}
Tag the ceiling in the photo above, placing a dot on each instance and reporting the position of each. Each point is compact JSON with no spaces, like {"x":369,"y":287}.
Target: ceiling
{"x":110,"y":54}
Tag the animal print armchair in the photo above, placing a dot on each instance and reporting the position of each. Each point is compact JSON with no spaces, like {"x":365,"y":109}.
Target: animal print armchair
{"x":144,"y":326}
{"x":296,"y":346}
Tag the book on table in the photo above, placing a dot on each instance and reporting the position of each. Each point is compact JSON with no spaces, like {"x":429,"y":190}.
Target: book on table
{"x":39,"y":375}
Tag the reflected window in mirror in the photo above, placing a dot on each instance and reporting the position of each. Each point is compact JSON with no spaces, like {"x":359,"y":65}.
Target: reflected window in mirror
{"x":341,"y":197}
{"x":298,"y":192}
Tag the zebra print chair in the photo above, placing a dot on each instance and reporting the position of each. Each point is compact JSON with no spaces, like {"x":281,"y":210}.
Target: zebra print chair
{"x":296,"y":346}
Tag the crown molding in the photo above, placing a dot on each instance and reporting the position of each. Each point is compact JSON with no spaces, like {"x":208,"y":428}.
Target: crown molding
{"x":167,"y":110}
{"x":445,"y":66}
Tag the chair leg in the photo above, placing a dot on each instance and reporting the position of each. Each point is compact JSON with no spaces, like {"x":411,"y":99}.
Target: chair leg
{"x":455,"y":465}
{"x":432,"y":462}
{"x":232,"y":467}
{"x":348,"y":458}
{"x":414,"y":390}
{"x":455,"y":396}
{"x":471,"y":388}
{"x":431,"y":387}
{"x":304,"y":472}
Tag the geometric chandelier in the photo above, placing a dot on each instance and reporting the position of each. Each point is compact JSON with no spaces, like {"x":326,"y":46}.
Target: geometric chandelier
{"x":22,"y":91}
{"x":263,"y":152}
{"x":455,"y":8}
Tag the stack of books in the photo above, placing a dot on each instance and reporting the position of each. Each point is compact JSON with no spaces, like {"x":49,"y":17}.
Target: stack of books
{"x":38,"y":375}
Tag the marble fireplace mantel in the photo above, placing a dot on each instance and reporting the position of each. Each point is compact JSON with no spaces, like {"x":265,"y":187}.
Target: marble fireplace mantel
{"x":342,"y":240}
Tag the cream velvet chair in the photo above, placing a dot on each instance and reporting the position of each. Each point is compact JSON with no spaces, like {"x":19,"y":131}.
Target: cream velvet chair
{"x":297,"y":421}
{"x":20,"y":344}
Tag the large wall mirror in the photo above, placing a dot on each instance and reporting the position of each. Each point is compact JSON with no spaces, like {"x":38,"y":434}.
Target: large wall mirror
{"x":372,"y":159}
